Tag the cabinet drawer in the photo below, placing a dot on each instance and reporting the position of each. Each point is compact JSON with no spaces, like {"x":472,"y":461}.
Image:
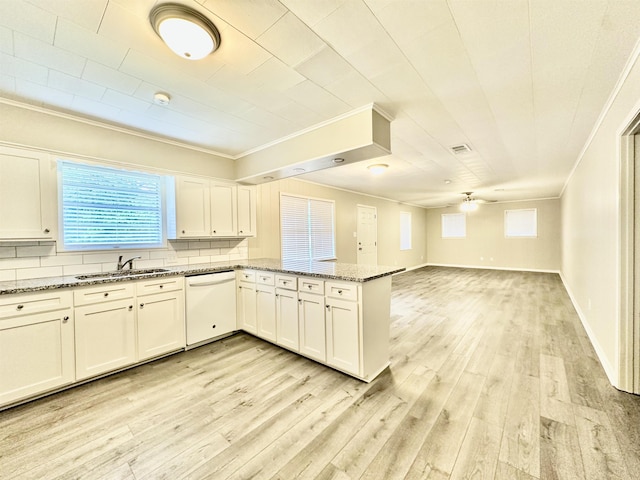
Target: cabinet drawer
{"x":28,"y":303}
{"x":159,"y":285}
{"x":247,"y":276}
{"x":346,"y":291}
{"x":265,"y":278}
{"x":312,"y":285}
{"x":103,"y":293}
{"x":286,"y":281}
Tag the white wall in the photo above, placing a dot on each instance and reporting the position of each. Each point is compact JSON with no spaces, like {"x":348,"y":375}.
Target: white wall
{"x":590,"y":232}
{"x":485,"y":244}
{"x":267,"y":243}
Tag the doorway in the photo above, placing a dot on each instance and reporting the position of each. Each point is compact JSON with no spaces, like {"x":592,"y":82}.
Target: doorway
{"x":629,"y":321}
{"x":367,"y":235}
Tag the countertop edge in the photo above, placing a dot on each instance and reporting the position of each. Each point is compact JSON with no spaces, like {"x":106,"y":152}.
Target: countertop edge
{"x":70,"y":281}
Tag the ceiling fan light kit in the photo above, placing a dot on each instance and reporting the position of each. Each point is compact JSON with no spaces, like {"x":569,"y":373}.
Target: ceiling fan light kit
{"x":469,"y":204}
{"x":187,"y":32}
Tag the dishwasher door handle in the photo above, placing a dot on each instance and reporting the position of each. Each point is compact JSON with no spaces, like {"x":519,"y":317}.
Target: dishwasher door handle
{"x":207,"y":283}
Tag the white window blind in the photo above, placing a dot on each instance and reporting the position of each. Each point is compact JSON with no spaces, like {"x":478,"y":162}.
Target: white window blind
{"x":105,"y":208}
{"x":454,"y":225}
{"x":308,"y":228}
{"x":521,"y":223}
{"x":405,"y":230}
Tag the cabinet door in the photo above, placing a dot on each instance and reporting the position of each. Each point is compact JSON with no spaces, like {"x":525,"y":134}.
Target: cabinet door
{"x":105,"y":337}
{"x":266,"y":311}
{"x":343,"y":335}
{"x":36,"y":354}
{"x":193,"y":207}
{"x":246,"y":211}
{"x":312,"y":325}
{"x":247,"y":307}
{"x":287,"y":319}
{"x":160,"y":324}
{"x":27,"y":195}
{"x":224,"y":211}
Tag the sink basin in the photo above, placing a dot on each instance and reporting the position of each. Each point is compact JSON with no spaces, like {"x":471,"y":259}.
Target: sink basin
{"x":122,"y":273}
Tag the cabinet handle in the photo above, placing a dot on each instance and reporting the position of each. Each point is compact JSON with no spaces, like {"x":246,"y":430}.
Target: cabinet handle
{"x":213,"y":326}
{"x":65,"y":319}
{"x":328,"y":307}
{"x":214,"y":231}
{"x":46,"y":230}
{"x":161,"y":286}
{"x":130,"y":307}
{"x":106,"y":294}
{"x":142,"y":305}
{"x":277,"y":295}
{"x":183,"y":231}
{"x":19,"y":307}
{"x":300,"y":301}
{"x":339,"y":292}
{"x":309,"y":287}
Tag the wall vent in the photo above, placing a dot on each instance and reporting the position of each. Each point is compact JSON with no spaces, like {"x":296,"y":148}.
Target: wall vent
{"x":460,"y":149}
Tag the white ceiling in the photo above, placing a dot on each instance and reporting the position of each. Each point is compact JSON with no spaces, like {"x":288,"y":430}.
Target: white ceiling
{"x":520,"y":81}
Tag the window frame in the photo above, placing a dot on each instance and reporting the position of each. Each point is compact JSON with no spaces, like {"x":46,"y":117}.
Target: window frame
{"x":442,"y":226}
{"x":524,"y":235}
{"x":163,"y":185}
{"x":309,"y":226}
{"x":406,"y":235}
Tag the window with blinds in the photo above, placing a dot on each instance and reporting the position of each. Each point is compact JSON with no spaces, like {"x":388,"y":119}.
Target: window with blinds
{"x":521,"y":223}
{"x":405,"y":230}
{"x":454,"y":225}
{"x":307,"y":228}
{"x":105,"y":208}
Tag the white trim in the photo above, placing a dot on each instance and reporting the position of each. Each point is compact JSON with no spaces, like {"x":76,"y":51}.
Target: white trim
{"x":488,"y":267}
{"x":633,"y":58}
{"x":609,"y":370}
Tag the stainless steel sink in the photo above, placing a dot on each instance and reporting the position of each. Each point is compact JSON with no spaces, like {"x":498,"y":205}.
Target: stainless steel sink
{"x":122,"y":273}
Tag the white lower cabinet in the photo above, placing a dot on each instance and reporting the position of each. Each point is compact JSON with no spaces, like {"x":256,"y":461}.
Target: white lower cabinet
{"x":287,"y":331}
{"x":36,"y":349}
{"x":160,"y":324}
{"x":343,"y":335}
{"x":266,"y":312}
{"x":105,"y":337}
{"x":312,"y":326}
{"x":247,"y":320}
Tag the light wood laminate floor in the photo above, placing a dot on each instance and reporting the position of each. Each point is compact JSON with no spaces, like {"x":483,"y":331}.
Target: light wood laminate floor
{"x":492,"y":376}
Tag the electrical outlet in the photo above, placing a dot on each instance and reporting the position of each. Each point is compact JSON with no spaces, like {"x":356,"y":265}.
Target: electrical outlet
{"x":172,"y":258}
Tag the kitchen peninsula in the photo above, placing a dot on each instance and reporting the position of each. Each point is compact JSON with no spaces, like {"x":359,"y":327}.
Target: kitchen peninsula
{"x":58,"y":331}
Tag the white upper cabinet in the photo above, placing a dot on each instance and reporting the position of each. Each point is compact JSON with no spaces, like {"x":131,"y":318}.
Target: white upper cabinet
{"x":224,"y":210}
{"x":27,"y":195}
{"x":246,"y":211}
{"x":193,"y":207}
{"x":206,"y":209}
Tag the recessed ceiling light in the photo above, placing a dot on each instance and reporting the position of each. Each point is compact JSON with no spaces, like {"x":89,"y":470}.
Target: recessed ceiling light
{"x":447,"y":182}
{"x":268,"y":177}
{"x":338,"y":160}
{"x":299,"y":170}
{"x":378,"y":168}
{"x":187,"y":32}
{"x":161,"y":98}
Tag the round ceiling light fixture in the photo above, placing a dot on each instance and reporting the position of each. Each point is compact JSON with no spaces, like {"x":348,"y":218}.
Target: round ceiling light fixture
{"x":187,"y":32}
{"x":338,"y":160}
{"x":161,"y":98}
{"x":378,"y":168}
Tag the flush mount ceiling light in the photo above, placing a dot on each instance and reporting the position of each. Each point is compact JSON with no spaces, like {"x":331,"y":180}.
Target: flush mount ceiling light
{"x":187,"y":32}
{"x":378,"y":168}
{"x":338,"y":160}
{"x":161,"y":98}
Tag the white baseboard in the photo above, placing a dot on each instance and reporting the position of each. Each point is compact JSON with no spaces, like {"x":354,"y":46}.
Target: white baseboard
{"x":484,"y":267}
{"x":609,"y":370}
{"x":415,"y":267}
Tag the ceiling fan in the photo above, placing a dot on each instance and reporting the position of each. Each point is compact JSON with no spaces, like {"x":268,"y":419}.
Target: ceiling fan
{"x":470,"y":204}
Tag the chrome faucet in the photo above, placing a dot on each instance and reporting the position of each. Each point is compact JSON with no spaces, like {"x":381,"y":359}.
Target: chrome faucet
{"x":122,"y":264}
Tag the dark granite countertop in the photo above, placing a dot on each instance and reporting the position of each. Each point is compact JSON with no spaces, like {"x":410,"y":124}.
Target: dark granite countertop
{"x":327,"y":270}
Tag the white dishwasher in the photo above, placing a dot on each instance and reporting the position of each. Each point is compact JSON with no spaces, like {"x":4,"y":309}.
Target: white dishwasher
{"x":211,"y":307}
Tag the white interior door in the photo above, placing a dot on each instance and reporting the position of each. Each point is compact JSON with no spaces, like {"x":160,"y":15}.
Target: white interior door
{"x":367,"y":235}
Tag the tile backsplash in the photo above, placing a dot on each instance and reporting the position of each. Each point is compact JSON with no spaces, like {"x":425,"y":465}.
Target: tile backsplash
{"x":22,"y":260}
